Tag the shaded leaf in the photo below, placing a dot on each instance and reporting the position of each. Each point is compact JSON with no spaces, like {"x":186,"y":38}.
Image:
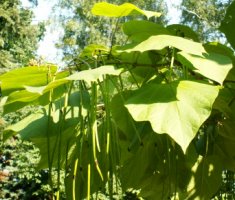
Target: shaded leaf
{"x":39,"y":127}
{"x":183,"y":31}
{"x":228,"y":24}
{"x":19,"y":99}
{"x":93,"y":50}
{"x":30,"y":122}
{"x":224,"y":147}
{"x":138,"y":31}
{"x":205,"y":178}
{"x":216,"y":47}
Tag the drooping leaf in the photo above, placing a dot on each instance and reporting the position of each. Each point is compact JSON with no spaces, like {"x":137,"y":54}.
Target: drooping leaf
{"x":126,"y":9}
{"x":35,"y":96}
{"x":228,"y":24}
{"x":177,"y":108}
{"x":31,"y":76}
{"x":50,"y":86}
{"x":39,"y":127}
{"x":213,"y":66}
{"x":159,"y":42}
{"x":95,"y":74}
{"x":30,"y":121}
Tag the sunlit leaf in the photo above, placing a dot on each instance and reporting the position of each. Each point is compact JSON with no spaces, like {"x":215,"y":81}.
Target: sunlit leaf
{"x":31,"y":76}
{"x":218,"y":48}
{"x":178,"y":108}
{"x":159,"y":42}
{"x":50,"y":86}
{"x":126,"y":9}
{"x":213,"y":66}
{"x":95,"y":74}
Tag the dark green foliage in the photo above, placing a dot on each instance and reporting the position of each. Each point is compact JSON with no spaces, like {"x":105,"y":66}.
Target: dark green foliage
{"x":18,"y":37}
{"x":23,"y":181}
{"x":229,"y":22}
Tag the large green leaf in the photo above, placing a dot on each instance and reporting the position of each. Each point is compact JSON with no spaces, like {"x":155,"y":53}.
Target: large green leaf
{"x":141,"y":30}
{"x":35,"y":96}
{"x":33,"y":76}
{"x":177,"y":108}
{"x":205,"y":178}
{"x":213,"y":66}
{"x":228,"y":24}
{"x":32,"y":95}
{"x":126,"y":9}
{"x":183,"y":31}
{"x":159,"y":42}
{"x":34,"y":124}
{"x":224,"y":147}
{"x":141,"y":168}
{"x":215,"y":47}
{"x":131,"y":132}
{"x":223,"y":101}
{"x":95,"y":74}
{"x":50,"y":86}
{"x":225,"y":141}
{"x":135,"y":59}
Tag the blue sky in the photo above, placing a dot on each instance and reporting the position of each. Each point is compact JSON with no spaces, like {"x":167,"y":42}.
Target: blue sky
{"x":47,"y":49}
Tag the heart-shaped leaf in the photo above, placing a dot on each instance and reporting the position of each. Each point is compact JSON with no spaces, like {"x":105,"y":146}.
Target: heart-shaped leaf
{"x":177,"y":108}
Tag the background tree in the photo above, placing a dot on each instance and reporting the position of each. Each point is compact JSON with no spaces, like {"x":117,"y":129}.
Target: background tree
{"x":204,"y":17}
{"x":18,"y":36}
{"x":82,"y":28}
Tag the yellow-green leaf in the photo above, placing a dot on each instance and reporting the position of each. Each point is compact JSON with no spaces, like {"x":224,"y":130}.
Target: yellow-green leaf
{"x":177,"y":108}
{"x":126,"y":9}
{"x":159,"y":42}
